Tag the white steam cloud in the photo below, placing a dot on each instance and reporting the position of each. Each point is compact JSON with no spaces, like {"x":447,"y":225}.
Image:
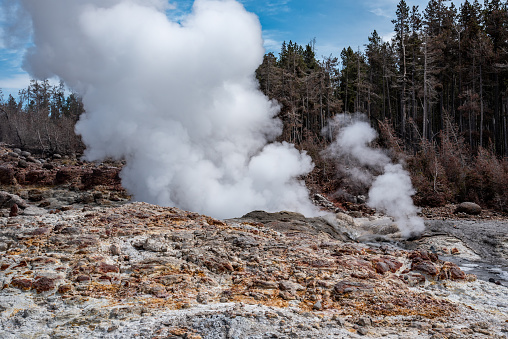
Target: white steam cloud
{"x":177,"y":100}
{"x":390,"y":185}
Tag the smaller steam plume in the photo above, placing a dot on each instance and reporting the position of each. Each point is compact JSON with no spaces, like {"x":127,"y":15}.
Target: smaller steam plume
{"x":390,"y":187}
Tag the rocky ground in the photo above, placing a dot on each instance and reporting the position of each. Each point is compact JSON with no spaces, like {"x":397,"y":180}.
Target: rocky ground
{"x":80,"y":260}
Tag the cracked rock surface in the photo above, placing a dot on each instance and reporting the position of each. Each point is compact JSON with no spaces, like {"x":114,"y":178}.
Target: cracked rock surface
{"x":140,"y":270}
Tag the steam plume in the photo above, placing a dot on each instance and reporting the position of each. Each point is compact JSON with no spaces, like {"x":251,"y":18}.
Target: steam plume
{"x":177,"y":100}
{"x":390,"y":185}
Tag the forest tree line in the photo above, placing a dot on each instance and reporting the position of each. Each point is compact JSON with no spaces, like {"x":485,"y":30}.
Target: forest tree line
{"x":42,"y":119}
{"x":444,"y":65}
{"x":437,"y":93}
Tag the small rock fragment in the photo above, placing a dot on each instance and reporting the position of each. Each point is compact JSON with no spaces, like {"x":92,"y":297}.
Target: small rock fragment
{"x":365,"y":321}
{"x":202,"y":298}
{"x":115,"y":249}
{"x":14,"y":210}
{"x":363,"y":331}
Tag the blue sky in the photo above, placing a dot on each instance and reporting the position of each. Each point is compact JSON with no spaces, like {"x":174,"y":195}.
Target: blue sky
{"x":335,"y":24}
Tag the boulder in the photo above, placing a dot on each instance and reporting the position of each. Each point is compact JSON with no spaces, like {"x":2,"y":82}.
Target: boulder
{"x":425,"y":266}
{"x":102,"y":177}
{"x":14,"y":211}
{"x":468,"y":208}
{"x":6,"y":175}
{"x":7,"y":200}
{"x":37,"y":177}
{"x":23,"y":164}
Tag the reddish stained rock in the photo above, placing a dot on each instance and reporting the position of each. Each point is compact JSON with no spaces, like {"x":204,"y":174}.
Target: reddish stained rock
{"x":14,"y":211}
{"x":39,"y":178}
{"x":43,"y":284}
{"x":452,"y":272}
{"x":104,"y":277}
{"x":107,"y":268}
{"x":349,"y":286}
{"x":4,"y":267}
{"x":22,"y":284}
{"x":356,"y":264}
{"x":422,"y":255}
{"x":65,"y":175}
{"x":419,"y":255}
{"x":81,"y":278}
{"x":101,"y":176}
{"x":22,"y":263}
{"x":6,"y":176}
{"x":433,"y":257}
{"x":392,"y":265}
{"x":63,"y":289}
{"x":19,"y":177}
{"x":457,"y":274}
{"x":40,"y":261}
{"x":346,"y":250}
{"x":381,"y":267}
{"x":425,"y":266}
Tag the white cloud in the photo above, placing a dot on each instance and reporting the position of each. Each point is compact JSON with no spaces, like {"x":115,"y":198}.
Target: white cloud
{"x":387,"y":37}
{"x":271,"y":45}
{"x":272,"y":41}
{"x":326,"y":49}
{"x":381,"y":12}
{"x":270,"y":7}
{"x":17,"y":81}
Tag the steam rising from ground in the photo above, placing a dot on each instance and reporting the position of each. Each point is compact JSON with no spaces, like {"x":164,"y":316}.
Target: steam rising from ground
{"x":179,"y":101}
{"x":390,"y":185}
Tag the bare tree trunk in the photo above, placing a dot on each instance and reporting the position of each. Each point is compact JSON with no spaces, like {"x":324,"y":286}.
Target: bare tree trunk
{"x":357,"y":108}
{"x":13,"y":125}
{"x":481,"y":107}
{"x":389,"y":100}
{"x":404,"y":80}
{"x":505,"y":131}
{"x":384,"y":90}
{"x":425,"y":96}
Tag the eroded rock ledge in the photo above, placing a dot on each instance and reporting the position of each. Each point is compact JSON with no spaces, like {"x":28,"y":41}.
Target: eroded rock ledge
{"x":144,"y":270}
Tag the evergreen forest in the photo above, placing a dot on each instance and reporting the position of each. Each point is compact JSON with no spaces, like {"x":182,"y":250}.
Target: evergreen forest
{"x":437,"y":93}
